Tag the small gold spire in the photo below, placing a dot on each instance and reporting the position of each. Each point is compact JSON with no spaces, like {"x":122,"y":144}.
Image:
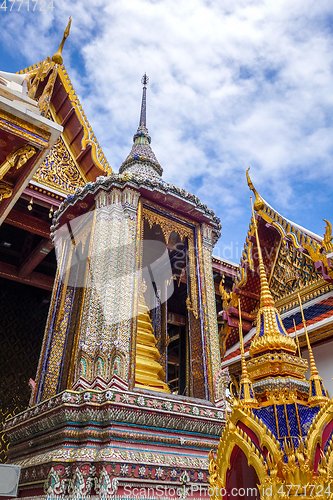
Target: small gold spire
{"x":270,"y":334}
{"x":57,"y":57}
{"x":317,"y":394}
{"x":245,"y":387}
{"x":296,"y":338}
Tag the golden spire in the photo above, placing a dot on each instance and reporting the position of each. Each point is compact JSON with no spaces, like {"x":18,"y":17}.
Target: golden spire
{"x":246,"y":394}
{"x":296,"y":338}
{"x":35,"y":77}
{"x":57,"y":57}
{"x":317,"y":394}
{"x":271,"y":334}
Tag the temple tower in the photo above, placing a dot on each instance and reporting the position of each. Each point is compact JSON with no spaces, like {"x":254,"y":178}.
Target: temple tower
{"x":110,"y":237}
{"x":130,"y":372}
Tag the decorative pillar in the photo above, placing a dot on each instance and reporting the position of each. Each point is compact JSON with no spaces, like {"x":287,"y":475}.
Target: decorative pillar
{"x":49,"y":368}
{"x":99,"y":272}
{"x":211,"y":340}
{"x":108,"y":310}
{"x":197,"y":372}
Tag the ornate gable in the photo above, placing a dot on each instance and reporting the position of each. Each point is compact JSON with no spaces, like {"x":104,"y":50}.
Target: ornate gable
{"x":59,"y":170}
{"x":77,"y":157}
{"x":292,"y":271}
{"x":295,"y":259}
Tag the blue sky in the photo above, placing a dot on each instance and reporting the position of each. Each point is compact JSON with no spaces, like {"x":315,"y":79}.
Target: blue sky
{"x":232,"y":84}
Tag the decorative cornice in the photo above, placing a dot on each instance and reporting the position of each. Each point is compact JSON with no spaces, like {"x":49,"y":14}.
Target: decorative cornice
{"x":95,"y":402}
{"x":135,"y":181}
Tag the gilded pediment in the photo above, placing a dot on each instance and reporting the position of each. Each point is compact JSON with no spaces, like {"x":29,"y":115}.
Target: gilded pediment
{"x":292,"y":271}
{"x":59,"y":170}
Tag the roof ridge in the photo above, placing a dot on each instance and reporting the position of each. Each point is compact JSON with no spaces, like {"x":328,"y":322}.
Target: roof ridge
{"x":89,"y":137}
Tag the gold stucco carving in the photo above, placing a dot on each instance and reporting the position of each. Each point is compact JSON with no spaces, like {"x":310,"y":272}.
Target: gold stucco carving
{"x":327,"y":241}
{"x":5,"y":191}
{"x":37,"y":73}
{"x":279,"y":478}
{"x":20,"y":157}
{"x":59,"y":170}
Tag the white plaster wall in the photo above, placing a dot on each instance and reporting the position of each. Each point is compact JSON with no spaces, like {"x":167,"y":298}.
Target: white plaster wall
{"x":323,"y":355}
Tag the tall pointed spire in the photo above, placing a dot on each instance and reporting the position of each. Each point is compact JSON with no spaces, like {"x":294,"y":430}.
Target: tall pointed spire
{"x":271,"y":334}
{"x":142,"y":159}
{"x":246,"y":394}
{"x":317,"y":392}
{"x":144,"y":81}
{"x":296,"y":338}
{"x":57,"y":57}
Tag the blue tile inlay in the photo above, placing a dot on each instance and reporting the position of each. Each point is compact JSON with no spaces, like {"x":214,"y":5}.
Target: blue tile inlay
{"x":306,"y":417}
{"x":313,"y":387}
{"x":292,"y":420}
{"x":281,"y":416}
{"x":322,"y":389}
{"x":279,"y":324}
{"x":267,"y":415}
{"x":261,"y":333}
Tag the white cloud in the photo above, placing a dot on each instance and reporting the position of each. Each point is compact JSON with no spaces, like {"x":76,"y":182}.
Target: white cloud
{"x":233,"y":84}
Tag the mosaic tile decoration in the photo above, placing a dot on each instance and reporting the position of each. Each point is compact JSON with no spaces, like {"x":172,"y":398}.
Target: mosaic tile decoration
{"x":108,"y":303}
{"x":55,"y":355}
{"x":208,"y":293}
{"x":197,"y":367}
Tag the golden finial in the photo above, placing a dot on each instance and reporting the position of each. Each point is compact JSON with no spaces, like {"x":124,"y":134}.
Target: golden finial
{"x":241,"y":341}
{"x":317,"y":392}
{"x":246,"y":394}
{"x":259,"y":202}
{"x":57,"y":57}
{"x":296,"y":338}
{"x":327,"y":241}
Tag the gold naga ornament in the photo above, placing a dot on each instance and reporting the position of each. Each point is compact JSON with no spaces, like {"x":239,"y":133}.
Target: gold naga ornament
{"x":278,"y":438}
{"x":20,"y":157}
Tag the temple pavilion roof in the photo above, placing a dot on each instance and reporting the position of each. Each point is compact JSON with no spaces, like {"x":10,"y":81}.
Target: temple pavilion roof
{"x":77,"y":157}
{"x":296,"y":260}
{"x":141,"y":171}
